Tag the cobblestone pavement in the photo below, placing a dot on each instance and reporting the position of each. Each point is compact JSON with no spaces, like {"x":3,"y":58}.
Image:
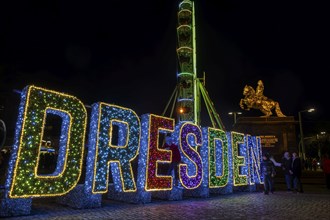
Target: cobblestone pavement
{"x":313,"y":204}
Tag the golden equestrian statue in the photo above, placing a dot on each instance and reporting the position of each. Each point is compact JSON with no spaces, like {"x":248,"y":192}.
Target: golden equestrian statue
{"x":256,"y":100}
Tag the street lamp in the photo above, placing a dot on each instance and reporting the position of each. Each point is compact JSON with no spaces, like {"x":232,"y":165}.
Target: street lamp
{"x":235,"y":115}
{"x":301,"y":131}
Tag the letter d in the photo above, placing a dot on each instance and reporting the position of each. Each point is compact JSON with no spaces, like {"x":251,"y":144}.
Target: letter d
{"x":23,"y":180}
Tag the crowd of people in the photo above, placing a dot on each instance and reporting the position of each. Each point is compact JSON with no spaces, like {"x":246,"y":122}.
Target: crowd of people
{"x":292,"y":167}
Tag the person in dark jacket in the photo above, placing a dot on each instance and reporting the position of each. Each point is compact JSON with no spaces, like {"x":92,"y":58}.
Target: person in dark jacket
{"x":326,"y":169}
{"x":267,"y":169}
{"x":286,"y":166}
{"x":176,"y":159}
{"x":296,"y":173}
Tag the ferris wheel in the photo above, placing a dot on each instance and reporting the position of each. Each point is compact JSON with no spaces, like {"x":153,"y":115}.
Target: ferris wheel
{"x":190,"y":90}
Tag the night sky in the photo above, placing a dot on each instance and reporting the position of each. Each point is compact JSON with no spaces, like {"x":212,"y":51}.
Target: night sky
{"x":124,"y":53}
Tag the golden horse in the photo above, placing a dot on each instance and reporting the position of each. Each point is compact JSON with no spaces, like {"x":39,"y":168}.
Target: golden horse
{"x":264,"y":104}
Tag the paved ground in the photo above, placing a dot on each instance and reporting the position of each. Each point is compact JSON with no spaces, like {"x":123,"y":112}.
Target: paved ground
{"x":314,"y":203}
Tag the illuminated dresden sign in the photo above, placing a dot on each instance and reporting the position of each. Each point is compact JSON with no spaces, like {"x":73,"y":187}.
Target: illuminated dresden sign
{"x":212,"y":158}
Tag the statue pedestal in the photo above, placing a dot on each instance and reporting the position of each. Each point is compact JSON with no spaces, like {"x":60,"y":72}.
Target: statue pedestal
{"x":278,"y":134}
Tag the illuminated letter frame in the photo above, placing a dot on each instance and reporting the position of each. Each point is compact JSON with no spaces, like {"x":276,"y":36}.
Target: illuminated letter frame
{"x":23,"y":180}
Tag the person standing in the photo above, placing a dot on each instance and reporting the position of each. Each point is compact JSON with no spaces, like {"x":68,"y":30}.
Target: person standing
{"x":314,"y":164}
{"x":286,"y":167}
{"x":326,"y":169}
{"x":267,"y":169}
{"x":296,"y":173}
{"x":175,"y":159}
